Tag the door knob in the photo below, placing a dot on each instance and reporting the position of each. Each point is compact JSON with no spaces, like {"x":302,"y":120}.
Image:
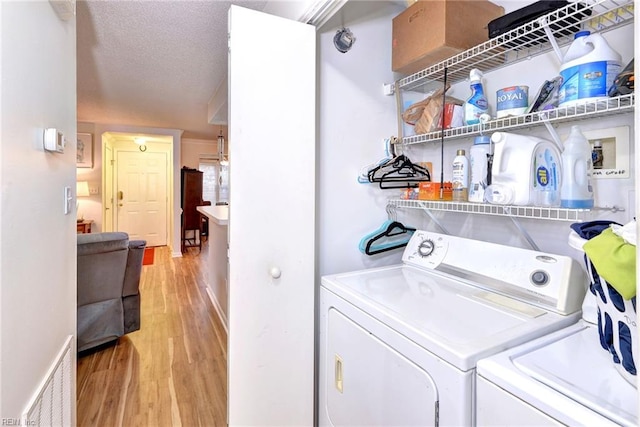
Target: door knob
{"x":275,"y":272}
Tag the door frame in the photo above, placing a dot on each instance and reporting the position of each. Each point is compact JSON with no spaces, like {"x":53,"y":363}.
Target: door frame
{"x":158,"y":140}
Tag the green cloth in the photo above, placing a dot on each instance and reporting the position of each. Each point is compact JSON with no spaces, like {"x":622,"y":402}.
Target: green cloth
{"x":615,"y":261}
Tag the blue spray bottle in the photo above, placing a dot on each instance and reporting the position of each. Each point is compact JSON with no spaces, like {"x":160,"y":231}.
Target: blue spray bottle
{"x":477,"y":103}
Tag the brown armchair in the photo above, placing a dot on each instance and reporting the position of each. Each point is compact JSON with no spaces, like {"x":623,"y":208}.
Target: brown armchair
{"x":109,"y":270}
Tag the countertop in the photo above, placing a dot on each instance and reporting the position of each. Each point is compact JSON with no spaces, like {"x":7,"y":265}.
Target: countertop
{"x":218,"y":214}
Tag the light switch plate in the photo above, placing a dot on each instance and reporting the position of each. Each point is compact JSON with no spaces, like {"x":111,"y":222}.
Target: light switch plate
{"x":68,"y":198}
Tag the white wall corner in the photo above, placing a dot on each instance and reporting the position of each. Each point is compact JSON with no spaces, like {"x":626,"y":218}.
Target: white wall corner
{"x":314,"y":12}
{"x":217,"y":106}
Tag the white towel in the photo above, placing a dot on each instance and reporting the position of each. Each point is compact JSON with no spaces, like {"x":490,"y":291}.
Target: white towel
{"x":627,"y":232}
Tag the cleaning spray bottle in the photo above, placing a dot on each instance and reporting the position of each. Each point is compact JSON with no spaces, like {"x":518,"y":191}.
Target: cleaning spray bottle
{"x":576,"y":191}
{"x":477,"y":103}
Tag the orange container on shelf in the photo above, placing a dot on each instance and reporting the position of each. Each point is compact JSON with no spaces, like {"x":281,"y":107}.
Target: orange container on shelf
{"x":431,"y":191}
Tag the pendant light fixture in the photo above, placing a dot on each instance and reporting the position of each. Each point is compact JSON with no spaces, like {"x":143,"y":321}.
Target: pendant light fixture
{"x":221,"y":158}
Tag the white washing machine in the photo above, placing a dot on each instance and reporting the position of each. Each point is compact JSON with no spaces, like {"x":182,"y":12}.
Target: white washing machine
{"x":565,"y":378}
{"x":399,"y":344}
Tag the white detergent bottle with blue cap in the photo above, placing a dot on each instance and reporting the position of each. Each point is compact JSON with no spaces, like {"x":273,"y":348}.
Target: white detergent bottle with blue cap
{"x":577,"y":48}
{"x":477,"y":103}
{"x":588,"y":70}
{"x":576,"y":191}
{"x":546,"y":175}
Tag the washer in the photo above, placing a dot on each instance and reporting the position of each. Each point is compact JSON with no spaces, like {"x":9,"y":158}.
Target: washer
{"x":564,"y":378}
{"x":399,"y":344}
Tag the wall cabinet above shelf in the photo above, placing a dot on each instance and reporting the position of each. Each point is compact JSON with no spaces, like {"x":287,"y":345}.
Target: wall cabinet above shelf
{"x":546,"y":213}
{"x":524,"y":42}
{"x":587,"y":109}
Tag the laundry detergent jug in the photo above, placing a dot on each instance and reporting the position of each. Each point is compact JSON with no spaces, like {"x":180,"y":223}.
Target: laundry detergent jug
{"x":588,"y":69}
{"x":525,"y":171}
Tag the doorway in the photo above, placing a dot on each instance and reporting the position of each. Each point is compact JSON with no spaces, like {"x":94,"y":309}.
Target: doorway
{"x":137,"y":186}
{"x":141,"y":196}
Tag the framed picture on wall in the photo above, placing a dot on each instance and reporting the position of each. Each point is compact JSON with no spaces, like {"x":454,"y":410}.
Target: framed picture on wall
{"x":84,"y":153}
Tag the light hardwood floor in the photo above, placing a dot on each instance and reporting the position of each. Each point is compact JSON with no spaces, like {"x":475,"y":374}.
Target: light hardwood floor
{"x":173,"y":371}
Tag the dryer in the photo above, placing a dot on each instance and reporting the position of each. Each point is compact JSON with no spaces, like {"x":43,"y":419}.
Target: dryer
{"x":399,"y":344}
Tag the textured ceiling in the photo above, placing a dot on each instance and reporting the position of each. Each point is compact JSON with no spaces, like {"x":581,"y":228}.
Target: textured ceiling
{"x":152,"y":63}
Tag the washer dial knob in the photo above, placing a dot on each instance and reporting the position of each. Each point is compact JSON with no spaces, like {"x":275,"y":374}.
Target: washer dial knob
{"x":426,"y":248}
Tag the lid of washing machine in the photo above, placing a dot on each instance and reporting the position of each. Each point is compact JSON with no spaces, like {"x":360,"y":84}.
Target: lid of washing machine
{"x":452,"y":319}
{"x":579,"y":368}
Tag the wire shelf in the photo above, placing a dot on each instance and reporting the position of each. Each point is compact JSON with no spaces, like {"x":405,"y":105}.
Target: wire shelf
{"x":546,"y":213}
{"x":583,"y":109}
{"x":525,"y":42}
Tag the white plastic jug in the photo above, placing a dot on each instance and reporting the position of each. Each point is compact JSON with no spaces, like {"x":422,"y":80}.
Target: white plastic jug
{"x":588,"y":70}
{"x":576,"y":190}
{"x":547,"y":174}
{"x":515,"y":173}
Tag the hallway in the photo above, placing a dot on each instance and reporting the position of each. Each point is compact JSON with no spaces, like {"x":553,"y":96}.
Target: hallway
{"x":172,"y":371}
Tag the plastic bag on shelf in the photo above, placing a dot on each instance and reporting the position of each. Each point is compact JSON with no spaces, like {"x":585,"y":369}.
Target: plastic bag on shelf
{"x":426,"y":115}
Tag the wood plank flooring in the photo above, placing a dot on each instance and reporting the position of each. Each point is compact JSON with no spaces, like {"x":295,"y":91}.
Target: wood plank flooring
{"x":173,"y":371}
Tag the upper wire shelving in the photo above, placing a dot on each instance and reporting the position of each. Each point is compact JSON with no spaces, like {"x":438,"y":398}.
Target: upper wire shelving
{"x":520,"y":44}
{"x":525,"y":42}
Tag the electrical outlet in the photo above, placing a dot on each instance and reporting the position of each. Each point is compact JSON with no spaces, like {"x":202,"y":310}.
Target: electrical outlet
{"x":93,"y":190}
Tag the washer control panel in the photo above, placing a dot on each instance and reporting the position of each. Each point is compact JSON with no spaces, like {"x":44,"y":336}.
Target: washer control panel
{"x":426,"y":250}
{"x":548,"y":280}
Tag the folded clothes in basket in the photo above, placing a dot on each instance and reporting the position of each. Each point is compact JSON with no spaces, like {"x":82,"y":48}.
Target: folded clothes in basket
{"x":615,"y":261}
{"x":627,"y":232}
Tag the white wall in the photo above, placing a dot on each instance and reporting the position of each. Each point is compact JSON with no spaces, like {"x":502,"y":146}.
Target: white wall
{"x":354,"y":118}
{"x":37,"y":240}
{"x":192,"y":149}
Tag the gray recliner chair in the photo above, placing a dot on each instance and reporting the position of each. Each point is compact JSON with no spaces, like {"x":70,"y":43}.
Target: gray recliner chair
{"x":109,"y":270}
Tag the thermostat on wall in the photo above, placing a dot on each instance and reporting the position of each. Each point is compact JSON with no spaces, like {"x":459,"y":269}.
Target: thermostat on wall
{"x":54,"y":140}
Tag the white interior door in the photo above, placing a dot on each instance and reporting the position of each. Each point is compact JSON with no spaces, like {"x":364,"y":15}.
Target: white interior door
{"x":271,"y":219}
{"x":141,"y":196}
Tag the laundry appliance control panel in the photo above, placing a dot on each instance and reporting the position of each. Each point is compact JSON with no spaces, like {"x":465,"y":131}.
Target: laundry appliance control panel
{"x":555,"y":282}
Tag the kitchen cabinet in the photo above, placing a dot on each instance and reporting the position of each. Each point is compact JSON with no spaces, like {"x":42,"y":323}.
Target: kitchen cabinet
{"x":522,"y":43}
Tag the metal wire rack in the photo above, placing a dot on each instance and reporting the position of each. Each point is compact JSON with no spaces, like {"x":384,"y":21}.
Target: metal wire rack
{"x":547,"y":213}
{"x":526,"y":41}
{"x":581,"y":110}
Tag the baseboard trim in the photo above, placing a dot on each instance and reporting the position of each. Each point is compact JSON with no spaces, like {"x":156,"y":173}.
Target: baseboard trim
{"x":216,"y":306}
